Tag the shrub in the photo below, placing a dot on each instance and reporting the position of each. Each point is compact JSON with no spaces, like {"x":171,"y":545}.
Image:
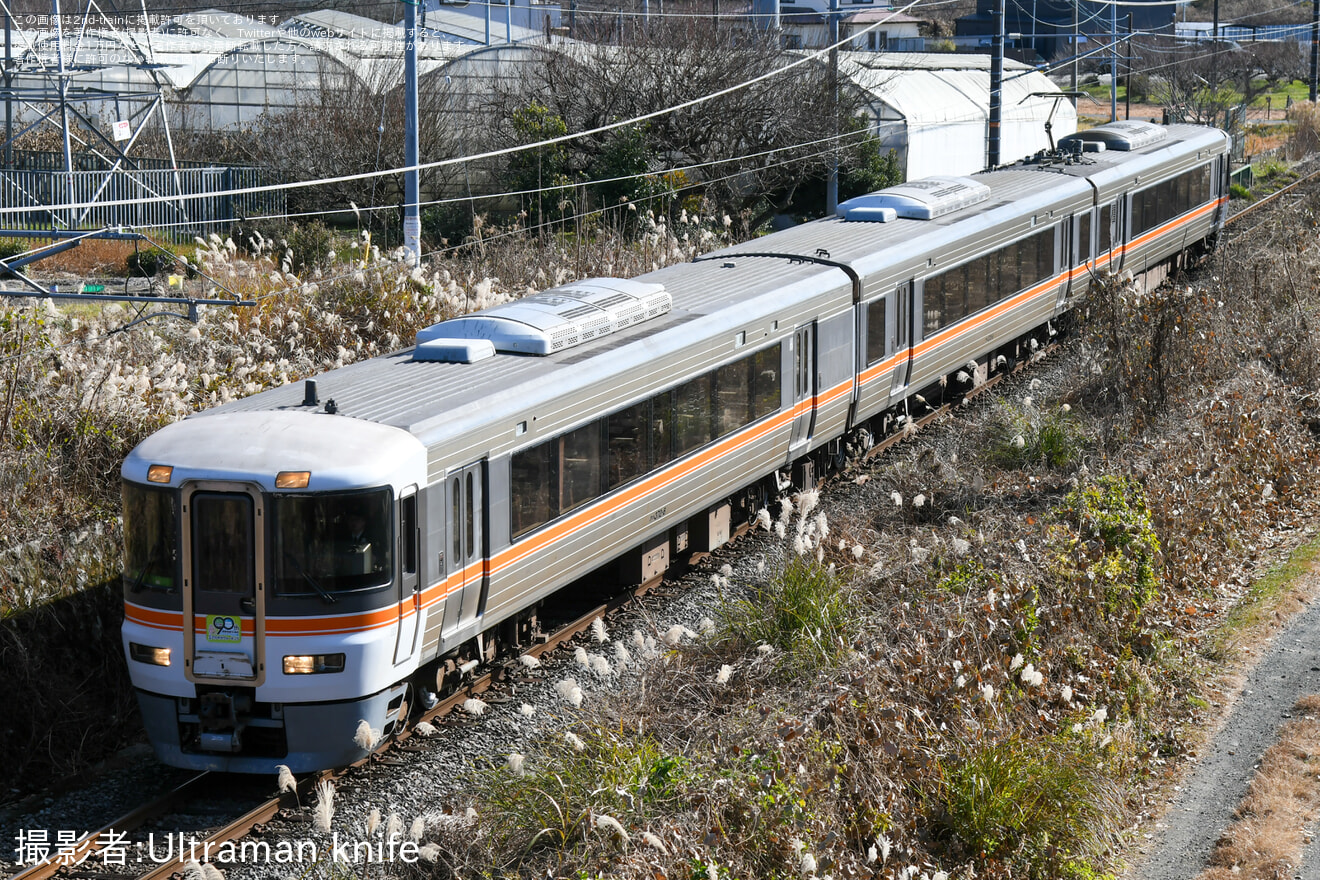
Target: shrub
{"x":310,"y":244}
{"x":1107,"y":544}
{"x":1238,"y":191}
{"x":147,"y":263}
{"x":1042,"y":807}
{"x":1305,"y":116}
{"x":803,"y":612}
{"x":447,"y":225}
{"x":549,"y":801}
{"x":1026,"y":435}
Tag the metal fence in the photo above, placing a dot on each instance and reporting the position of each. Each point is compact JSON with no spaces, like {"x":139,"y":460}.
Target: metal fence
{"x":152,"y":195}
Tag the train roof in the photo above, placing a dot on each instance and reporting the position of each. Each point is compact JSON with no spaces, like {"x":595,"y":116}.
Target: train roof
{"x":719,"y":293}
{"x":432,"y":399}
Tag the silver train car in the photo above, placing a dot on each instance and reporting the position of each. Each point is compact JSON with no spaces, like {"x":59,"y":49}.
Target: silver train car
{"x":311,"y":556}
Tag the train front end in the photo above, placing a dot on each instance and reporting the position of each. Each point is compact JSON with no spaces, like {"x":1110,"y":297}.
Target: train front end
{"x":270,"y":586}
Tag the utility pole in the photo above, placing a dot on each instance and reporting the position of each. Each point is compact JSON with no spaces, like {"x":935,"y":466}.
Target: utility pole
{"x":1076,"y":51}
{"x":1315,"y":45}
{"x":64,"y":107}
{"x":1214,"y":28}
{"x":1127,"y":99}
{"x":412,"y":220}
{"x":832,"y":182}
{"x":996,"y":86}
{"x":1113,"y":62}
{"x":9,"y":91}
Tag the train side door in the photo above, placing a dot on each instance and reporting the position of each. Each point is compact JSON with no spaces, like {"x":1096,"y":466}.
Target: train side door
{"x":900,"y":338}
{"x":224,"y":584}
{"x":804,"y":383}
{"x":1118,"y":217}
{"x":1067,"y":260}
{"x":410,"y":591}
{"x":465,"y":488}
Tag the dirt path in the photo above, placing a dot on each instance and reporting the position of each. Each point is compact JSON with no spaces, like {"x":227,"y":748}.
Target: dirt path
{"x":1284,"y":669}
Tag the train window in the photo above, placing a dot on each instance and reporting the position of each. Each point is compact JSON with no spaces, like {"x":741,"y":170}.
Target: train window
{"x":662,"y":429}
{"x":955,"y":299}
{"x":1083,"y":238}
{"x":1009,"y":271}
{"x":932,"y":304}
{"x":766,"y":393}
{"x":533,"y":474}
{"x":875,"y":332}
{"x":1045,"y":255}
{"x":408,"y":534}
{"x":1106,"y":230}
{"x":456,"y":517}
{"x":470,"y":517}
{"x":692,"y":415}
{"x":977,"y":285}
{"x":627,"y":442}
{"x":1161,"y":203}
{"x":222,"y":542}
{"x":567,"y":472}
{"x":581,"y":466}
{"x":733,"y":396}
{"x":151,"y":538}
{"x":331,"y":543}
{"x":1027,"y":257}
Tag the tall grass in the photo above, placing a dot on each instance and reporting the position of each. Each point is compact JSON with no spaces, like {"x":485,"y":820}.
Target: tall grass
{"x":805,"y":613}
{"x":1043,"y":807}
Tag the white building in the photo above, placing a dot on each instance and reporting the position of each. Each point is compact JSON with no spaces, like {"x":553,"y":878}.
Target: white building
{"x":934,"y":109}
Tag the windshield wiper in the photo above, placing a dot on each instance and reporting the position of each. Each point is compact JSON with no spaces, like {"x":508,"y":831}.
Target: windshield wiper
{"x":137,"y":584}
{"x":326,"y":597}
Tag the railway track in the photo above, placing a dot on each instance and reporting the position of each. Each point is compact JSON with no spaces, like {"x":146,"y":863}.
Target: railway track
{"x":85,"y":857}
{"x":1250,"y":211}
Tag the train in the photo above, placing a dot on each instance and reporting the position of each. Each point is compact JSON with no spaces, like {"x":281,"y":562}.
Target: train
{"x":320,"y":554}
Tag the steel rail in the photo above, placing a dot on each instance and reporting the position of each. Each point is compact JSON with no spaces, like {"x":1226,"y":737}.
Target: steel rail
{"x":94,"y":841}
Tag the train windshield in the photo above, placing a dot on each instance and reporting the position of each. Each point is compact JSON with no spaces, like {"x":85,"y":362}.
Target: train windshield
{"x":332,"y":543}
{"x":150,"y":538}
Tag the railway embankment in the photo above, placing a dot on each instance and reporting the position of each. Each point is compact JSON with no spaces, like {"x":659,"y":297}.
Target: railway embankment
{"x":989,"y":651}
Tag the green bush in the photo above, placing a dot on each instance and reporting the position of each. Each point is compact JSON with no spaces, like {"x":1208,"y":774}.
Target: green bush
{"x":311,"y":244}
{"x":1025,"y":436}
{"x":1109,"y":545}
{"x":549,"y":801}
{"x":1238,"y":191}
{"x":447,"y":225}
{"x":804,"y":612}
{"x":1043,"y":809}
{"x":12,"y":247}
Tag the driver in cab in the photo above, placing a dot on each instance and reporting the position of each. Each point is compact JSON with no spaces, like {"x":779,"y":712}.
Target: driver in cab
{"x":354,"y":547}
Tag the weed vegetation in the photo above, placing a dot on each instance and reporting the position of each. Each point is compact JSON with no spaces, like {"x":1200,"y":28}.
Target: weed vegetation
{"x":983,"y":664}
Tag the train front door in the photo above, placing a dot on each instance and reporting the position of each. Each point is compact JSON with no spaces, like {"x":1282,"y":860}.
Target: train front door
{"x":804,"y":383}
{"x":223,"y":584}
{"x":465,"y":488}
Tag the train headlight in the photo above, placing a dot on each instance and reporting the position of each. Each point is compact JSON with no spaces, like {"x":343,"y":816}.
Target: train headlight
{"x":149,"y":654}
{"x":160,"y":473}
{"x":312,"y":664}
{"x":292,"y":479}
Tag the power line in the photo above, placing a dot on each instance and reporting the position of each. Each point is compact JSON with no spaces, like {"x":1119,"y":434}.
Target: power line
{"x":489,"y":154}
